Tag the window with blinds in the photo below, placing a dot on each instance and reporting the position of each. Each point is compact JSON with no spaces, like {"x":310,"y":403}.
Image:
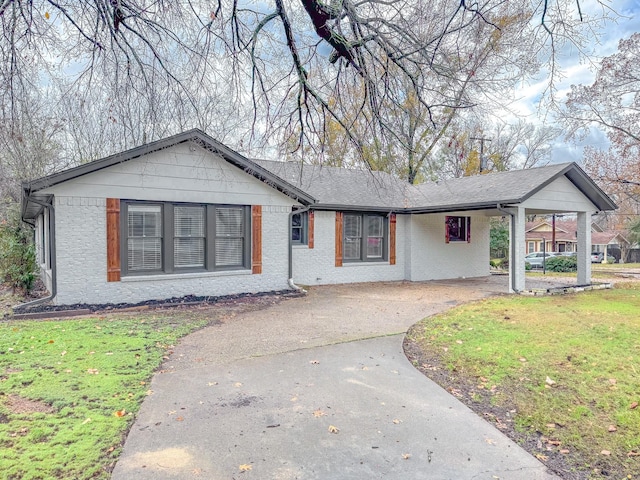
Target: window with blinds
{"x":172,"y":238}
{"x":230,"y":233}
{"x":189,"y":236}
{"x":364,"y":237}
{"x":144,"y":242}
{"x":352,"y":237}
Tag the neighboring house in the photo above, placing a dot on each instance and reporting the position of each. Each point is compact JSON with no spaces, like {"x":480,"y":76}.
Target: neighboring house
{"x":540,"y":236}
{"x":188,"y":216}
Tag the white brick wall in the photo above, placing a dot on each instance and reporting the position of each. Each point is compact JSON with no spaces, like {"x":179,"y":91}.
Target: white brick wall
{"x":317,"y":266}
{"x":82,"y":261}
{"x":432,"y":258}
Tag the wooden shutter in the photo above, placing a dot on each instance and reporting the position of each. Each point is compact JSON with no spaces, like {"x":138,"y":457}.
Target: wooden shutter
{"x":446,"y":229}
{"x":310,"y":228}
{"x":256,"y":239}
{"x":392,"y":239}
{"x":468,"y":229}
{"x":113,"y":240}
{"x":339,"y":216}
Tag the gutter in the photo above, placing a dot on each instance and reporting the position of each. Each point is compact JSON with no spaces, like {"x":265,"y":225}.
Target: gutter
{"x":512,"y":227}
{"x":52,"y":251}
{"x":290,"y":281}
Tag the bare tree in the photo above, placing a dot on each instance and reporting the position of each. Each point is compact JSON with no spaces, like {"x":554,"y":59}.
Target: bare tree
{"x":291,"y":59}
{"x":612,"y":104}
{"x":504,"y":146}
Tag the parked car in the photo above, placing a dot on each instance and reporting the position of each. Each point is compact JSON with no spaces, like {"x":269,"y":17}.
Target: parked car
{"x":597,"y":257}
{"x":568,"y":254}
{"x":535,"y":258}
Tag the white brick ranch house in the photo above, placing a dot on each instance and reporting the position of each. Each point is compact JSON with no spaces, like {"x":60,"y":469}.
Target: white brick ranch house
{"x":188,"y":216}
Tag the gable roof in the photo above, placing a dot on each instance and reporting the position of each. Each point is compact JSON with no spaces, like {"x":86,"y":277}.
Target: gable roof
{"x":506,"y":188}
{"x":32,"y":202}
{"x":332,"y":188}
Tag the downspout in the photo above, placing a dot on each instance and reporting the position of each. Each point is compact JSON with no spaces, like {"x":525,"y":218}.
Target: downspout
{"x":52,"y":253}
{"x":291,"y":214}
{"x":512,"y":227}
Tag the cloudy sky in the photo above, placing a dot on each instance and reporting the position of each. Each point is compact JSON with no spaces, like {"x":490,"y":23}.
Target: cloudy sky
{"x":577,"y":71}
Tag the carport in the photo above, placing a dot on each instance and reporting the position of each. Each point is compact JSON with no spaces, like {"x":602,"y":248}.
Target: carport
{"x":563,"y":188}
{"x":568,"y":192}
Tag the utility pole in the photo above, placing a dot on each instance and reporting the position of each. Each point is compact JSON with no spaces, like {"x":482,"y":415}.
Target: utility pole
{"x":483,"y":165}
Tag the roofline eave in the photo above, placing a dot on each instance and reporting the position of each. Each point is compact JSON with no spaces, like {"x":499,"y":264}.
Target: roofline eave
{"x":196,"y":136}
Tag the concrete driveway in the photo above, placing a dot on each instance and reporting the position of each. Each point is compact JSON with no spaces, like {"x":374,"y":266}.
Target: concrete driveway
{"x":318,"y":388}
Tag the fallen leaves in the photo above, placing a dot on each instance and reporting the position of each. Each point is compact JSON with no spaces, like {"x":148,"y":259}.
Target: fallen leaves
{"x":245,"y":467}
{"x":612,"y":428}
{"x":605,"y":452}
{"x":633,"y":405}
{"x":120,"y":413}
{"x":406,"y":456}
{"x":93,"y":371}
{"x":396,"y":421}
{"x":318,"y":413}
{"x":333,"y":429}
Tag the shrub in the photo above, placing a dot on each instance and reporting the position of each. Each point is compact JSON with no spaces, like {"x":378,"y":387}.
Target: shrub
{"x":562,"y":264}
{"x":610,"y":260}
{"x":527,"y":266}
{"x":502,"y":263}
{"x":17,"y":256}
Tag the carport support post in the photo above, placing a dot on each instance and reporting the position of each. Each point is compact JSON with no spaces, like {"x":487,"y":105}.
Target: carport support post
{"x":584,"y":248}
{"x":517,"y":243}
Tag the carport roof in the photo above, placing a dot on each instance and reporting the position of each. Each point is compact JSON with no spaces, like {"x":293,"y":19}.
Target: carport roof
{"x":362,"y":189}
{"x":332,"y":188}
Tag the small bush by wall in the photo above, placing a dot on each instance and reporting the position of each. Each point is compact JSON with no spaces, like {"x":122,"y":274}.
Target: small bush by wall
{"x":17,"y":256}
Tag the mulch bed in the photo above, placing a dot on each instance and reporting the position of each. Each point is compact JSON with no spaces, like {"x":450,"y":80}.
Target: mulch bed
{"x":49,"y":310}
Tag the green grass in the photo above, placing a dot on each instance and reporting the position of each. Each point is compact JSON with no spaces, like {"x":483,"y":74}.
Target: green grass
{"x":619,"y":266}
{"x":588,"y":344}
{"x":88,"y":378}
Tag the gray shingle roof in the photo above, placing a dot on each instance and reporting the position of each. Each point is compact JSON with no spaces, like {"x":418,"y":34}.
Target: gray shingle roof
{"x":332,"y":186}
{"x":338,"y":188}
{"x":362,"y":189}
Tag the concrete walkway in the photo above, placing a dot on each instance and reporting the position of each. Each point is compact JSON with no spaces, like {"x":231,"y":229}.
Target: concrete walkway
{"x":258,"y":397}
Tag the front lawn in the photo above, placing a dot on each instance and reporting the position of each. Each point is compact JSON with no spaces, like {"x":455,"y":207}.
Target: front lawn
{"x":69,"y":390}
{"x":560,"y":374}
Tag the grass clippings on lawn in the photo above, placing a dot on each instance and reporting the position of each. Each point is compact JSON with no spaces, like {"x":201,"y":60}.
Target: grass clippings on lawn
{"x":69,"y":389}
{"x":559,"y":374}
